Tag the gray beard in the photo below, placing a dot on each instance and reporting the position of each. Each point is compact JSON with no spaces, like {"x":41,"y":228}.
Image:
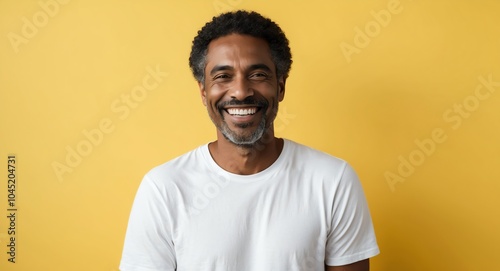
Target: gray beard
{"x":241,"y":140}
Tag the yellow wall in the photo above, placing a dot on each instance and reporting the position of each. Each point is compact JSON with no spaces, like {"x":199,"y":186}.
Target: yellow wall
{"x":405,"y":99}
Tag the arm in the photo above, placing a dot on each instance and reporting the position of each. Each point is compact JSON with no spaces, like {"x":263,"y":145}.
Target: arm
{"x":363,"y":265}
{"x":148,"y":241}
{"x":351,"y":238}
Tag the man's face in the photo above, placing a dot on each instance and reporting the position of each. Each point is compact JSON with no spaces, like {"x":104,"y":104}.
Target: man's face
{"x":241,"y":89}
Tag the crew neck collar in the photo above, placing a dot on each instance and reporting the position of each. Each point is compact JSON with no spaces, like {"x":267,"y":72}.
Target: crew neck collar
{"x":264,"y":174}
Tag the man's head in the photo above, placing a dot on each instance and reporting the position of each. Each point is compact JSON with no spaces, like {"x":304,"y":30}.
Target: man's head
{"x":241,"y":61}
{"x":244,"y":23}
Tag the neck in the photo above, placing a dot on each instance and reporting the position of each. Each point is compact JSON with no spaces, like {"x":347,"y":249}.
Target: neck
{"x":246,"y":160}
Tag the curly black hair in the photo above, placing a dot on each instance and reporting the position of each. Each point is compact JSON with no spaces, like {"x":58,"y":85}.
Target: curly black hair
{"x":245,"y":23}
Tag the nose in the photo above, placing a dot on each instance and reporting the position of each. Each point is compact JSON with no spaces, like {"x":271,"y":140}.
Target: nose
{"x":240,"y":88}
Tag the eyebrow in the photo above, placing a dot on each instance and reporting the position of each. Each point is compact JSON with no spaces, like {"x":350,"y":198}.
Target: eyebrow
{"x":260,"y":67}
{"x":218,"y":68}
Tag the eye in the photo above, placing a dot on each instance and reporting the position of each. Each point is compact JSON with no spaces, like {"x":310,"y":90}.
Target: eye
{"x":221,"y":76}
{"x":259,"y":76}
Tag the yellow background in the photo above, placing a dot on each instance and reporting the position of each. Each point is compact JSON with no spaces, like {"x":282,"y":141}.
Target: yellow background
{"x":368,"y":107}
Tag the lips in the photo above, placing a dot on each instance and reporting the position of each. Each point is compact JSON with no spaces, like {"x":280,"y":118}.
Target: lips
{"x":242,"y":111}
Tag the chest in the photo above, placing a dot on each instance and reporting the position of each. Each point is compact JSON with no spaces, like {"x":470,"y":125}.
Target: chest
{"x":274,"y":224}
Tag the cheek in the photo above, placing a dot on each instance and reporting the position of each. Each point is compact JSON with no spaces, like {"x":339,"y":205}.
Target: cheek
{"x":272,"y":110}
{"x":213,"y":98}
{"x":211,"y":105}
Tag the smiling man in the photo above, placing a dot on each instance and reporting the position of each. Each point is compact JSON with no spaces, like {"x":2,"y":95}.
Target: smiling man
{"x":248,"y":201}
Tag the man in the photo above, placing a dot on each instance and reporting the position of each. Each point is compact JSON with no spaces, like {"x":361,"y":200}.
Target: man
{"x":248,"y":201}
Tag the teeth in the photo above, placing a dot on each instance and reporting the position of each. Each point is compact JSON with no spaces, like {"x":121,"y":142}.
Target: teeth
{"x":241,"y":111}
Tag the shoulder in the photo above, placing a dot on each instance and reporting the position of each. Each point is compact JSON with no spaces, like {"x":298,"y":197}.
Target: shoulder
{"x":305,"y":156}
{"x":180,"y":167}
{"x":321,"y":166}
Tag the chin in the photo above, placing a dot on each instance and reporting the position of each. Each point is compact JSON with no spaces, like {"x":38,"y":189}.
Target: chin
{"x":243,"y":141}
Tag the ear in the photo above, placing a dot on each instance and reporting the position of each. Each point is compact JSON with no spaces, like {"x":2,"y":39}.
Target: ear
{"x":281,"y":88}
{"x":203,"y":93}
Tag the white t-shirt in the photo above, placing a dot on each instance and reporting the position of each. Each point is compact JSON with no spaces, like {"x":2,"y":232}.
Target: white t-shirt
{"x":305,"y":210}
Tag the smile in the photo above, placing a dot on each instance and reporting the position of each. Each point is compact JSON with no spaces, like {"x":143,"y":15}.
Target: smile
{"x":246,"y":111}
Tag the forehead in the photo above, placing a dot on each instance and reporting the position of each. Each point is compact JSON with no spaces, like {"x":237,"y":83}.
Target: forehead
{"x":237,"y":49}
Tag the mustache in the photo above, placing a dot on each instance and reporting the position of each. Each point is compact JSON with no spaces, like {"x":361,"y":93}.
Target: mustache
{"x":247,"y":101}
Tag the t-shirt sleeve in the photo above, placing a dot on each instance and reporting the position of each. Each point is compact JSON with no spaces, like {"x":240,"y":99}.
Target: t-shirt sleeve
{"x":148,"y":242}
{"x":351,"y":237}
